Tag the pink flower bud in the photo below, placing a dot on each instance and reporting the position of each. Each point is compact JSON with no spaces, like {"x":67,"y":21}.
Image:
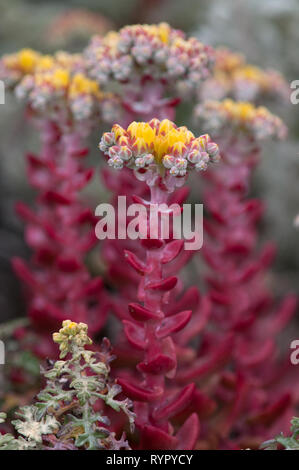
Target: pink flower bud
{"x":168,"y":161}
{"x":212,"y":149}
{"x":125,"y":153}
{"x":194,"y":156}
{"x":114,"y":151}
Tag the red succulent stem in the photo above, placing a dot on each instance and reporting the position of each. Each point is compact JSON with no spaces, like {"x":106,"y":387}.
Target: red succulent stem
{"x":153,"y":300}
{"x":152,"y":332}
{"x":243,"y":310}
{"x":60,"y":231}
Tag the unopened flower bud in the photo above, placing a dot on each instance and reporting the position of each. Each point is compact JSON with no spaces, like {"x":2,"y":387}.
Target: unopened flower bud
{"x":114,"y":151}
{"x":181,"y":163}
{"x":201,"y":166}
{"x":116,"y":162}
{"x":194,"y":156}
{"x":174,"y":171}
{"x":140,"y":162}
{"x":212,"y":149}
{"x":149,"y":158}
{"x":168,"y":161}
{"x":125,"y":153}
{"x":204,"y":157}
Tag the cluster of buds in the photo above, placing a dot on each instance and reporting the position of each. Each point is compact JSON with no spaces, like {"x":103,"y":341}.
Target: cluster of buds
{"x":157,"y":51}
{"x":13,"y":67}
{"x":233,"y":77}
{"x":57,"y":88}
{"x":158,"y":147}
{"x":71,"y":333}
{"x":240,"y":116}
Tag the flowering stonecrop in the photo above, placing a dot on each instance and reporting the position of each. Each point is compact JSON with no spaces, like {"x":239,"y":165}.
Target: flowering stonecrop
{"x":233,"y":77}
{"x":240,"y":116}
{"x":57,"y":85}
{"x":155,"y":326}
{"x":63,"y":103}
{"x":157,"y":51}
{"x":64,"y":415}
{"x":252,"y":392}
{"x":61,"y":89}
{"x":13,"y":67}
{"x":158,"y":148}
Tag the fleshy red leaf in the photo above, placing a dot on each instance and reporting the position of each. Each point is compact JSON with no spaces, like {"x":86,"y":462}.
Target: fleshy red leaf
{"x":188,"y":434}
{"x":140,"y":313}
{"x":215,"y":360}
{"x":268,"y":415}
{"x":56,"y":198}
{"x":94,"y":286}
{"x":68,"y":264}
{"x":163,"y":285}
{"x":173,"y":324}
{"x":135,"y":335}
{"x":136,"y":263}
{"x":135,"y":392}
{"x":176,"y":404}
{"x":189,"y":301}
{"x":172,"y":250}
{"x":24,"y":273}
{"x":161,"y":364}
{"x":153,"y":438}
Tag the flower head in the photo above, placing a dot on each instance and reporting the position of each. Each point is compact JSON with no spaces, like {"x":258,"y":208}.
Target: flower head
{"x":158,"y":146}
{"x":235,"y":78}
{"x":13,"y":67}
{"x":149,"y":50}
{"x":58,"y":85}
{"x":241,"y":116}
{"x":71,"y":334}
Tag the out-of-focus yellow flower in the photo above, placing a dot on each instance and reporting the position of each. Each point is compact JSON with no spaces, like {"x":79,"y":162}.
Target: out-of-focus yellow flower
{"x":25,"y":60}
{"x":57,"y":78}
{"x":81,"y":85}
{"x":45,"y":62}
{"x":242,"y":116}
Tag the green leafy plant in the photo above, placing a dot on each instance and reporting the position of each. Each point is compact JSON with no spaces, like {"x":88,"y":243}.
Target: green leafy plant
{"x":64,"y":415}
{"x":282,"y":442}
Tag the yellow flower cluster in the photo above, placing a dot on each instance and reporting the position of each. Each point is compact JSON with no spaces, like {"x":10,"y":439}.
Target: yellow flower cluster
{"x":243,"y":116}
{"x":59,"y":78}
{"x":58,"y":72}
{"x":153,"y":50}
{"x":159,"y":146}
{"x":81,"y":85}
{"x":253,"y":74}
{"x":158,"y":138}
{"x":241,"y":112}
{"x":240,"y":79}
{"x":28,"y":61}
{"x":71,"y":334}
{"x":161,"y":32}
{"x":23,"y":61}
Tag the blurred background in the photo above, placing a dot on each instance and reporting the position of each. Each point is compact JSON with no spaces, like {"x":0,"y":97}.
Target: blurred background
{"x":265,"y":32}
